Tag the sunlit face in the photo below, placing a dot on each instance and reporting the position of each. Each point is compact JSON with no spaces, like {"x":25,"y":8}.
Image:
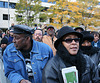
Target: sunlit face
{"x":96,"y":37}
{"x":72,"y":47}
{"x":86,"y":43}
{"x":19,"y":41}
{"x":38,"y":35}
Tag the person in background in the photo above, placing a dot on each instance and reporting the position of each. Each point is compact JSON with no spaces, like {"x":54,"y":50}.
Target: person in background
{"x":56,"y":33}
{"x":7,"y":33}
{"x":35,"y":27}
{"x":4,"y":43}
{"x":1,"y":32}
{"x":24,"y":59}
{"x":38,"y":35}
{"x":10,"y":38}
{"x":96,"y":41}
{"x":40,"y":26}
{"x":11,"y":26}
{"x":68,"y":55}
{"x":44,"y":29}
{"x":88,"y":49}
{"x":50,"y":38}
{"x":3,"y":35}
{"x":79,"y":29}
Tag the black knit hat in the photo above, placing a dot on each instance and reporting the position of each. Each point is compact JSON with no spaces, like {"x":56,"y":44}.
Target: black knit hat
{"x":87,"y":36}
{"x":4,"y":41}
{"x":79,"y":28}
{"x":63,"y":31}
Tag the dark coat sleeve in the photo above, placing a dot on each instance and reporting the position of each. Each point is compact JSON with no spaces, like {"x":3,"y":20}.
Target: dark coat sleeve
{"x":51,"y":72}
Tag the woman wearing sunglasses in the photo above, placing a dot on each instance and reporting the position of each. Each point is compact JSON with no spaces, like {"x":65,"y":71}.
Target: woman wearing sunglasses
{"x":68,"y":55}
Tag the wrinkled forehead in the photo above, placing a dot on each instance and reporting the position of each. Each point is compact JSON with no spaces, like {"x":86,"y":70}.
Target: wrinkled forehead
{"x":37,"y":31}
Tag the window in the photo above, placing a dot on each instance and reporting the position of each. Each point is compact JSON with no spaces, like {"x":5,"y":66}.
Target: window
{"x":1,"y":4}
{"x":5,"y":5}
{"x":12,"y":5}
{"x":19,"y":17}
{"x":30,"y":18}
{"x":44,"y":9}
{"x":51,"y":20}
{"x":41,"y":19}
{"x":44,"y":0}
{"x":5,"y":17}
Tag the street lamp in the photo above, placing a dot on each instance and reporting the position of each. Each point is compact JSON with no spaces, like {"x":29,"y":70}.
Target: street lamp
{"x":8,"y":15}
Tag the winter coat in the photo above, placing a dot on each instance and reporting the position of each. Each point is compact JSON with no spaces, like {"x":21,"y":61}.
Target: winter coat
{"x":87,"y":72}
{"x":52,"y":71}
{"x":93,"y":53}
{"x":49,"y":41}
{"x":15,"y":66}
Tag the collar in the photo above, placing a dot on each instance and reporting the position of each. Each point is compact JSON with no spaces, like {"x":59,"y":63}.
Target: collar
{"x":35,"y":48}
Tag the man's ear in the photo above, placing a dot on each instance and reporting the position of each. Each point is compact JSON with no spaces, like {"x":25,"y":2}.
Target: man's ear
{"x":28,"y":38}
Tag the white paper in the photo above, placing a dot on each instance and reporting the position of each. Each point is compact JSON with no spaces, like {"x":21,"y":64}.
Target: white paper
{"x":70,"y":75}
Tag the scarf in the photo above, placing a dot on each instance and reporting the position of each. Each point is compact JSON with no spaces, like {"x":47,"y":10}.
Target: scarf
{"x":89,"y":50}
{"x":75,"y":60}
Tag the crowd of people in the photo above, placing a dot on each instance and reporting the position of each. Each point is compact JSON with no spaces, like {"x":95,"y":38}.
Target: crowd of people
{"x":39,"y":54}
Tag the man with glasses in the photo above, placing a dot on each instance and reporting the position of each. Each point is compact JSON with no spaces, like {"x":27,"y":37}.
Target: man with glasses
{"x":25,"y":58}
{"x":38,"y":35}
{"x":67,"y":56}
{"x":50,"y":38}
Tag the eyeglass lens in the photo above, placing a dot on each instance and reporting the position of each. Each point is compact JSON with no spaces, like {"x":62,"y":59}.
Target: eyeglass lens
{"x":70,"y":40}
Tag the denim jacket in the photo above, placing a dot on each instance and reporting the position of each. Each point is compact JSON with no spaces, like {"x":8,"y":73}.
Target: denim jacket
{"x":15,"y":66}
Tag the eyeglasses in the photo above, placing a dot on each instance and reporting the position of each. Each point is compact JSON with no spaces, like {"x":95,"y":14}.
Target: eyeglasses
{"x":38,"y":34}
{"x":70,"y":40}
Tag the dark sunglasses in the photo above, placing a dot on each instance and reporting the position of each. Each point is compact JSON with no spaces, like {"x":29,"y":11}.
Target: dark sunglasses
{"x":70,"y":40}
{"x":51,"y":29}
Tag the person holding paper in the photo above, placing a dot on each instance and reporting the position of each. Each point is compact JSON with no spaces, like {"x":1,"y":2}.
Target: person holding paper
{"x":68,"y":54}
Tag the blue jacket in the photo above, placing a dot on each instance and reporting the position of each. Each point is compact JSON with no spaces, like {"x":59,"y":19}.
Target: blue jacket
{"x":15,"y":66}
{"x":98,"y":44}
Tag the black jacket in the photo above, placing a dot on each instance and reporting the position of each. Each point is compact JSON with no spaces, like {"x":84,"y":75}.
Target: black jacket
{"x":87,"y":72}
{"x":52,"y":71}
{"x":93,"y":53}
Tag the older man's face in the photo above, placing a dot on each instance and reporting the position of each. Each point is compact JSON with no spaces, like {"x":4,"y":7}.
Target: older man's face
{"x":38,"y":35}
{"x":19,"y":41}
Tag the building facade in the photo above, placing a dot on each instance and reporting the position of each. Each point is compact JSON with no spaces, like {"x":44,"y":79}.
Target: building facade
{"x":7,"y":15}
